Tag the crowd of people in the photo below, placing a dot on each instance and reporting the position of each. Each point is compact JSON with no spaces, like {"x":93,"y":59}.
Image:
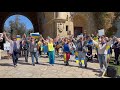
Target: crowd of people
{"x":64,"y":47}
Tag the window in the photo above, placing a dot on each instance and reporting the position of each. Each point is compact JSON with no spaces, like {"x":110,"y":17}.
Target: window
{"x":67,"y":28}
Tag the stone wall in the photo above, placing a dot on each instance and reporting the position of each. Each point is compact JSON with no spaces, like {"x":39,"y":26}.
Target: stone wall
{"x":85,"y":20}
{"x":81,"y":19}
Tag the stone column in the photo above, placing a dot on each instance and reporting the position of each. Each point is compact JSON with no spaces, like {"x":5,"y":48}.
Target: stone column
{"x":61,"y":15}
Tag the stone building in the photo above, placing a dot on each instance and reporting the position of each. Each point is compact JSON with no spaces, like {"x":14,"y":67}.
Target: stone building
{"x":65,"y":23}
{"x":57,"y":23}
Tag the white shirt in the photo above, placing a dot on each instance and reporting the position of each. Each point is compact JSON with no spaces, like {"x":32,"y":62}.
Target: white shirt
{"x":102,"y":48}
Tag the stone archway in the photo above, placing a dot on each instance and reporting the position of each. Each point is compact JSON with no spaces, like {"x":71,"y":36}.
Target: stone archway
{"x":32,"y":16}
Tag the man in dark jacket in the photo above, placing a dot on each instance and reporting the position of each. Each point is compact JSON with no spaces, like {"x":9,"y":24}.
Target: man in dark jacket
{"x":116,"y":47}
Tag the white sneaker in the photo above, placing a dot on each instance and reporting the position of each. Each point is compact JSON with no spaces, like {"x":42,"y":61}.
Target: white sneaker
{"x":101,"y":70}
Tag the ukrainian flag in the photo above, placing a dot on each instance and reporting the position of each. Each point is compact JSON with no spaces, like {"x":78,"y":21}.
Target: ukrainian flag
{"x":18,"y":37}
{"x":35,"y":35}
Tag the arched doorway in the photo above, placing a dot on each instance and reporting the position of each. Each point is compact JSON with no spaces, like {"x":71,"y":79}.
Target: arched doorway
{"x":18,"y":25}
{"x":80,"y":24}
{"x":34,"y":17}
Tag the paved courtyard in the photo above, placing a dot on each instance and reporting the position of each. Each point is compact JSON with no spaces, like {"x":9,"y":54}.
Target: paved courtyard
{"x":43,"y":70}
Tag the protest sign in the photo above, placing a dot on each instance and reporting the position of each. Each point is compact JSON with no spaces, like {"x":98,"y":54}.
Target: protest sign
{"x":6,"y":46}
{"x":101,"y":32}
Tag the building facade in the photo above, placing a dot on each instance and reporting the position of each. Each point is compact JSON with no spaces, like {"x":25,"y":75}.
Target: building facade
{"x":67,"y":23}
{"x":57,"y":23}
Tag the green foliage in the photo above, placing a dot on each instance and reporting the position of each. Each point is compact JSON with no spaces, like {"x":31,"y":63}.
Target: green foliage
{"x":17,"y":27}
{"x":111,"y":31}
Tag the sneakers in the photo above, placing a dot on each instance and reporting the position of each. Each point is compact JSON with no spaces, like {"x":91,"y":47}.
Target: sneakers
{"x":102,"y":70}
{"x":51,"y":64}
{"x":33,"y":64}
{"x":36,"y":63}
{"x":116,"y":62}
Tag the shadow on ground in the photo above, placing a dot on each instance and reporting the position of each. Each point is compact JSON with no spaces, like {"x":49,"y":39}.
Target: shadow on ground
{"x":95,"y":70}
{"x":5,"y":64}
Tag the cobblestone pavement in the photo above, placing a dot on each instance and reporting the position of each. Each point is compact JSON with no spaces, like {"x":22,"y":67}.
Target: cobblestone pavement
{"x":43,"y":70}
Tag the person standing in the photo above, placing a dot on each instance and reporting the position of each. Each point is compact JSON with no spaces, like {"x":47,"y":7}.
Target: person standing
{"x":81,"y":49}
{"x":33,"y":51}
{"x":40,"y":46}
{"x":26,"y":47}
{"x":51,"y":51}
{"x":116,"y":47}
{"x":102,"y":52}
{"x":14,"y":48}
{"x":66,"y":50}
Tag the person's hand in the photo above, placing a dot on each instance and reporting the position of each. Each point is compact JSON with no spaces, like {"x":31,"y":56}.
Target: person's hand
{"x":4,"y":33}
{"x":24,"y":35}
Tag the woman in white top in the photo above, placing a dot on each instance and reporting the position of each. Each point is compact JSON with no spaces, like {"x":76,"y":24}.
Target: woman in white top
{"x":102,"y":51}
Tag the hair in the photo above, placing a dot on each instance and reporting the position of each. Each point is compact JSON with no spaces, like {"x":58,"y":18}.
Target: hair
{"x":51,"y":40}
{"x":14,"y":38}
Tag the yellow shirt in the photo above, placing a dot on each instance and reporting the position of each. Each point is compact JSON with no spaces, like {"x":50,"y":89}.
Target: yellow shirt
{"x":95,"y":38}
{"x":39,"y":43}
{"x":50,"y":47}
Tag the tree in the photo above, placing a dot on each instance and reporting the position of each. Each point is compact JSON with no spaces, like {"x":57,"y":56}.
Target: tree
{"x":106,"y":20}
{"x":17,"y":26}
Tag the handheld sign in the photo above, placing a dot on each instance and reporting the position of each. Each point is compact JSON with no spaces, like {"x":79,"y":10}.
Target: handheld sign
{"x":101,"y":32}
{"x":6,"y":46}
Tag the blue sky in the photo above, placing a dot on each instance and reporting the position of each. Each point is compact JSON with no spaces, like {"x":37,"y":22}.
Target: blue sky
{"x":22,"y":19}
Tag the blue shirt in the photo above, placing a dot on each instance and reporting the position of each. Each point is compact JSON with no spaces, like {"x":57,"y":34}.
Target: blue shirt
{"x":90,"y":42}
{"x":66,"y":48}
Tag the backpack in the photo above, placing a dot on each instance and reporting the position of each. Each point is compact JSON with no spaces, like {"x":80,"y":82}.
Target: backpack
{"x":111,"y":71}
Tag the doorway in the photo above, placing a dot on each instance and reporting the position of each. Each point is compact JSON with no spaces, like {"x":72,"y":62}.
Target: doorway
{"x":78,"y":31}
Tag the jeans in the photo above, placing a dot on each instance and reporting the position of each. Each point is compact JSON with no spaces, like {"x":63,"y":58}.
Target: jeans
{"x":15,"y":57}
{"x":102,"y":58}
{"x":34,"y":54}
{"x":26,"y":52}
{"x":81,"y":55}
{"x":117,"y":52}
{"x":51,"y":57}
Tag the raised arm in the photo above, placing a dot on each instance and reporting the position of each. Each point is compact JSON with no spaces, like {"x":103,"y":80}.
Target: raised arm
{"x":94,"y":42}
{"x":4,"y":33}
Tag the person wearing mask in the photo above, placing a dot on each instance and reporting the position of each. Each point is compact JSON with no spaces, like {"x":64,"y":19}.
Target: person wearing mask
{"x":33,"y":51}
{"x":14,"y":48}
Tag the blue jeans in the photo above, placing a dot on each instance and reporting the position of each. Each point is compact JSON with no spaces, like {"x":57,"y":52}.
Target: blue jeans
{"x":81,"y":55}
{"x":15,"y":56}
{"x":34,"y":54}
{"x":102,"y":58}
{"x":51,"y":57}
